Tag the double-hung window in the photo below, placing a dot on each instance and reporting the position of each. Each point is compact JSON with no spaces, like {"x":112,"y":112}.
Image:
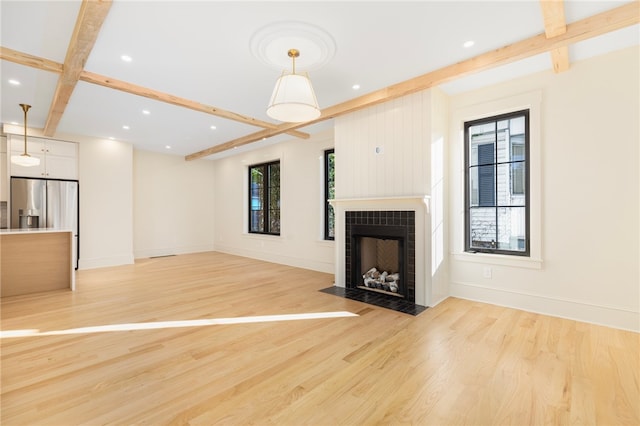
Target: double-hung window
{"x":329,"y":194}
{"x":264,"y":198}
{"x":497,"y":184}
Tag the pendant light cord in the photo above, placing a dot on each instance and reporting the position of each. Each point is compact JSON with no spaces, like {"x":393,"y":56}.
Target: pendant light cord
{"x":25,"y":108}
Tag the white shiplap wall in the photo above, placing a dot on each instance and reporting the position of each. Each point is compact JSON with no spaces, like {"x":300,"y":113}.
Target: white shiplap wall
{"x":401,"y":129}
{"x":410,"y":132}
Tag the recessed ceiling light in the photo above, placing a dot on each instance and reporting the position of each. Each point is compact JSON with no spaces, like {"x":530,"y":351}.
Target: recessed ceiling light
{"x":14,"y":82}
{"x":126,"y":58}
{"x":167,"y":146}
{"x":355,"y":86}
{"x":112,"y":138}
{"x":213,"y":127}
{"x":146,"y":112}
{"x":15,"y":123}
{"x":125,"y":127}
{"x":468,"y":43}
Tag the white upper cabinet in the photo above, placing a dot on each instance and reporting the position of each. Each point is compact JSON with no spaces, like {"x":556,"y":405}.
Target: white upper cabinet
{"x":58,"y":159}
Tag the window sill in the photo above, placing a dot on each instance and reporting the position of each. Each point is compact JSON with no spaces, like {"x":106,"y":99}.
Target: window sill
{"x":499,"y":259}
{"x":259,"y":236}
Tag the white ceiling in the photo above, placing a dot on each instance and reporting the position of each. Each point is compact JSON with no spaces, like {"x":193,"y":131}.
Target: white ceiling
{"x":201,"y":50}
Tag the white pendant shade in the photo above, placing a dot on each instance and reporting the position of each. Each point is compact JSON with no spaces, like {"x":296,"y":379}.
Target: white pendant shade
{"x":293,"y":100}
{"x":25,"y":160}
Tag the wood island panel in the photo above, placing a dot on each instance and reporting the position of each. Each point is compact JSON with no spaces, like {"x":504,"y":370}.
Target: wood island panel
{"x":35,"y":262}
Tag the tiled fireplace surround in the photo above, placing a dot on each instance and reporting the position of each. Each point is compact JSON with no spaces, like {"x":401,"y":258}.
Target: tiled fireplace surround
{"x":398,"y":224}
{"x":371,"y":210}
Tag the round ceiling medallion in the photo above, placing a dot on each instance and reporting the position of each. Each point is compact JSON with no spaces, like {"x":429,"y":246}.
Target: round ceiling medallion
{"x":271,"y":43}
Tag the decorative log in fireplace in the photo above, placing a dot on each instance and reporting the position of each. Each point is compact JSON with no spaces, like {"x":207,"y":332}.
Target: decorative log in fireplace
{"x":389,"y":283}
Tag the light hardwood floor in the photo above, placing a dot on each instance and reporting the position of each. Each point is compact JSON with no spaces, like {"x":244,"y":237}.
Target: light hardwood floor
{"x":461,"y":362}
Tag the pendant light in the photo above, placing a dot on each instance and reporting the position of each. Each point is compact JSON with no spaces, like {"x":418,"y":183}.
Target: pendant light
{"x":293,"y":99}
{"x":24,"y":159}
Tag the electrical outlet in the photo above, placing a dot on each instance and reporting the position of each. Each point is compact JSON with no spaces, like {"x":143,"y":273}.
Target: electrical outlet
{"x":486,"y":272}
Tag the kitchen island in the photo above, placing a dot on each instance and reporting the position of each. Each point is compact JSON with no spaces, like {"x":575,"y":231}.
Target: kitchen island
{"x":36,"y":260}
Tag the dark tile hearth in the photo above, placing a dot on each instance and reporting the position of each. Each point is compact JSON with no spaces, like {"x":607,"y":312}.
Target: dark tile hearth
{"x":398,"y":305}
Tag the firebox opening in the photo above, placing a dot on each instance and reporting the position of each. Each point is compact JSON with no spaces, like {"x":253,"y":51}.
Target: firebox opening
{"x":381,"y":265}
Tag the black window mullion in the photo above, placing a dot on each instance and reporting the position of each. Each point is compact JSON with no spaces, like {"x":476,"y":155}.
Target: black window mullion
{"x":264,"y":199}
{"x":527,"y":185}
{"x":467,"y":191}
{"x":478,"y":236}
{"x":495,"y":181}
{"x":327,"y":182}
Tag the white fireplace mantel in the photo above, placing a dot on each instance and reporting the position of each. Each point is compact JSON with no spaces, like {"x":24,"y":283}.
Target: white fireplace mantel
{"x":396,"y":199}
{"x":418,"y":203}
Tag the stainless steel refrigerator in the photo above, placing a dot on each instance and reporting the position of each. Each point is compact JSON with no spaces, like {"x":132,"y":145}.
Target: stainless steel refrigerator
{"x":46,"y":203}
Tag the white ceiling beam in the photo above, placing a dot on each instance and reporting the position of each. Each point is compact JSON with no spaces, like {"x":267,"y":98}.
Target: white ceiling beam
{"x":593,"y":26}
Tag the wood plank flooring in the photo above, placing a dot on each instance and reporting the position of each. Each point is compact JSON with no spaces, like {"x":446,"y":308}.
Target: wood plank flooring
{"x":190,"y":340}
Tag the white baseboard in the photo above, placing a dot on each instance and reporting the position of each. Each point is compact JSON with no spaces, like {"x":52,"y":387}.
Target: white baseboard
{"x":103,"y":262}
{"x":168,"y":251}
{"x":570,"y":309}
{"x":437,"y":301}
{"x":297,"y":262}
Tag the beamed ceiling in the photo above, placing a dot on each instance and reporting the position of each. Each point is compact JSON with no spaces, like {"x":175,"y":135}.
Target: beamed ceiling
{"x":194,"y":66}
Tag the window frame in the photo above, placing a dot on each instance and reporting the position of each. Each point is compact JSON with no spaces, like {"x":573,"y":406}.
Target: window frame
{"x":527,"y":185}
{"x":265,"y":206}
{"x":328,"y":208}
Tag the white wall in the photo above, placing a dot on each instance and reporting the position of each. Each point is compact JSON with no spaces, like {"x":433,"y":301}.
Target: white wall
{"x":173,"y":204}
{"x":301,"y":241}
{"x":106,"y":203}
{"x":439,"y":125}
{"x":588,"y":196}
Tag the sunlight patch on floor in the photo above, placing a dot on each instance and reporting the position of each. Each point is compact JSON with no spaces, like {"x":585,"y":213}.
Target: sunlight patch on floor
{"x":176,"y":324}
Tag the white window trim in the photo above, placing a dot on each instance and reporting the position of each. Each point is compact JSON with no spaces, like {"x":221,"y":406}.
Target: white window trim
{"x":531,"y":101}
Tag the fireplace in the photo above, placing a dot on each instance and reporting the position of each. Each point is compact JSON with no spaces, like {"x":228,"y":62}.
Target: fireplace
{"x":380,"y":252}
